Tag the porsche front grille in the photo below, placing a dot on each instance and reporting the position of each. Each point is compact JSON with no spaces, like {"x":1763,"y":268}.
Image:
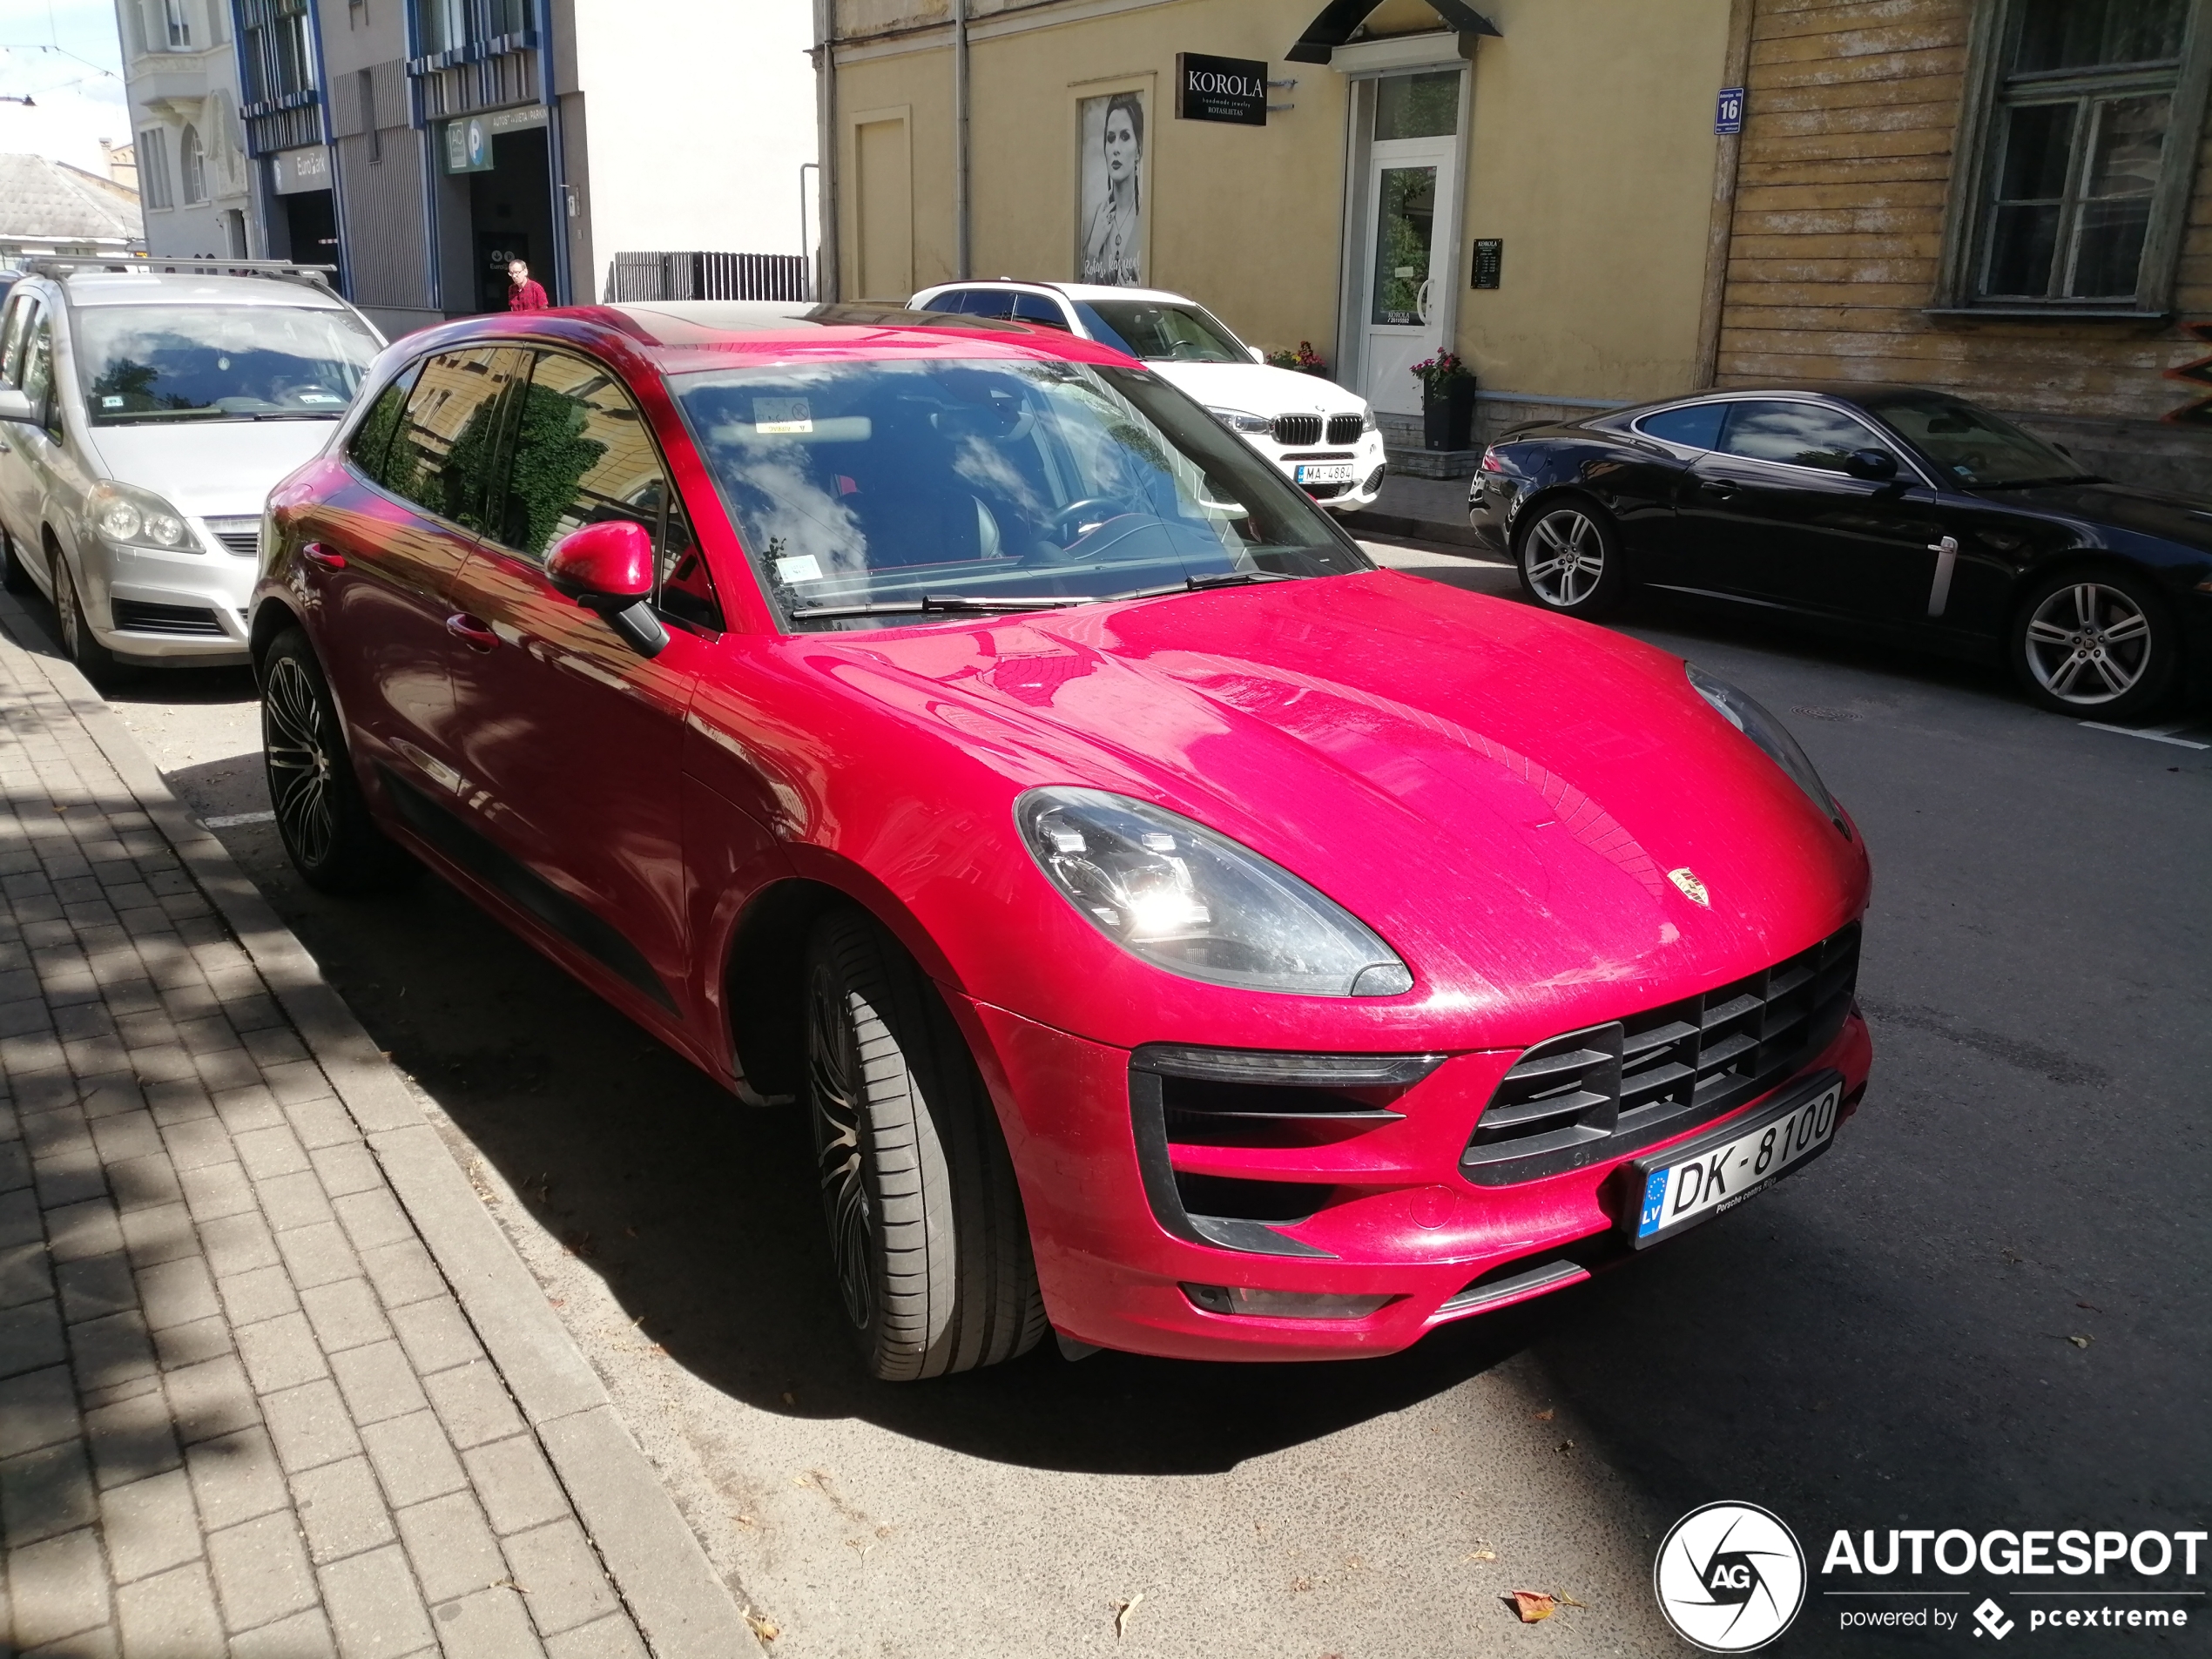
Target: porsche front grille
{"x":1598,"y":1093}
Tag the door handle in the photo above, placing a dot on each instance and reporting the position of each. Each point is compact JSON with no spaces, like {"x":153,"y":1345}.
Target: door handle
{"x":1947,"y":552}
{"x":475,"y":634}
{"x":1720,"y":489}
{"x":325,"y":558}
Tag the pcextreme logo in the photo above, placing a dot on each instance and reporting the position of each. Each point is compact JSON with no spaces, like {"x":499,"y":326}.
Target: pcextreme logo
{"x":1730,"y":1577}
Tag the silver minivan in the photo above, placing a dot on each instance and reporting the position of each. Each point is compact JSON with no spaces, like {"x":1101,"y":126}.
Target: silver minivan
{"x":147,"y":410}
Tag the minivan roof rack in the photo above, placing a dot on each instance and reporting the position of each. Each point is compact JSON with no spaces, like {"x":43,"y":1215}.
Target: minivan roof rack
{"x":190,"y":265}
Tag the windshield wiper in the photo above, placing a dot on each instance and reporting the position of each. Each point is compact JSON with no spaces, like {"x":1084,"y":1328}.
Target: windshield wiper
{"x":1200,"y":583}
{"x":2036,"y":483}
{"x":929,"y":601}
{"x":301,"y":414}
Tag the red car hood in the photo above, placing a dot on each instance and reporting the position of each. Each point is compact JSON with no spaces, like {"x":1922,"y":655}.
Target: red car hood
{"x":1500,"y":794}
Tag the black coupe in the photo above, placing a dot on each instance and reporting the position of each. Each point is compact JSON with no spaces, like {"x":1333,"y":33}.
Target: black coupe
{"x":1889,"y":509}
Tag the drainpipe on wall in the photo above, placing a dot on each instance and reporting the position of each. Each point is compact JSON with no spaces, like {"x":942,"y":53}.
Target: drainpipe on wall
{"x":829,"y":280}
{"x":960,"y":140}
{"x":1722,"y":230}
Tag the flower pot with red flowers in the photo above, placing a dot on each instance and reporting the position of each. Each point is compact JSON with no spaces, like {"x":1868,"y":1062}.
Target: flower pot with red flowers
{"x":1448,"y":402}
{"x":1304,"y":361}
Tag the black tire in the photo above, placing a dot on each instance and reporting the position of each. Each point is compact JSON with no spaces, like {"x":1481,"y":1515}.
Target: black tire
{"x":13,"y":577}
{"x":926,"y":1233}
{"x":95,"y":661}
{"x":1567,"y":550}
{"x":2097,"y":644}
{"x":320,"y":815}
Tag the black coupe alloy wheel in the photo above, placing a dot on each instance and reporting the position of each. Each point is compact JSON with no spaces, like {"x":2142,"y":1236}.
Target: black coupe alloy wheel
{"x":2093,"y":643}
{"x":1570,"y":558}
{"x":926,"y":1230}
{"x":320,"y":817}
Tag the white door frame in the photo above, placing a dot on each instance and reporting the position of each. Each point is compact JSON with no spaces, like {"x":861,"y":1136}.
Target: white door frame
{"x":1363,"y":64}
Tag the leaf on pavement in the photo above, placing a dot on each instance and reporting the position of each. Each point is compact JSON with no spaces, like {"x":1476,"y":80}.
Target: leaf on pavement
{"x":1530,"y":1605}
{"x":765,"y":1628}
{"x":2080,"y":1342}
{"x":1121,"y":1611}
{"x":1484,"y":1555}
{"x":1543,"y":1416}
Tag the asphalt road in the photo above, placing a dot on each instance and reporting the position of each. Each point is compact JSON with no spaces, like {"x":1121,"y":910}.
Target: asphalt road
{"x":1986,"y":1308}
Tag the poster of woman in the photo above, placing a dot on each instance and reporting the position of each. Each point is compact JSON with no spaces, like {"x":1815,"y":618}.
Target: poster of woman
{"x":1111,"y":136}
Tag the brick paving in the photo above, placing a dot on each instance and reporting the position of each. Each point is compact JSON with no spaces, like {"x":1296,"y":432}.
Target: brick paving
{"x":241,"y":1409}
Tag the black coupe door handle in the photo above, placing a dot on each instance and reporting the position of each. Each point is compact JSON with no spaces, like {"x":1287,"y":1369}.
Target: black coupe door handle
{"x":1720,"y":489}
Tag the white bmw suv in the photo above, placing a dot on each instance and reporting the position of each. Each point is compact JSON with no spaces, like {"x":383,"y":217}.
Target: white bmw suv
{"x":1323,"y":437}
{"x":147,"y":410}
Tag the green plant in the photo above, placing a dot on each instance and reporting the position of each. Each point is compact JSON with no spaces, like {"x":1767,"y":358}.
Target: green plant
{"x":1304,"y":360}
{"x":1436,"y":373}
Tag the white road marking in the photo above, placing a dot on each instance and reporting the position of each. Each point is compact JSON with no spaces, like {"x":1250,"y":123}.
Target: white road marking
{"x":2155,"y":737}
{"x":231,"y":820}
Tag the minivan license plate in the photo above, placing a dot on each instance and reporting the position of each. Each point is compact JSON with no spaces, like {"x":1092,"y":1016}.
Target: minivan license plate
{"x":1325,"y":472}
{"x":1687,"y":1184}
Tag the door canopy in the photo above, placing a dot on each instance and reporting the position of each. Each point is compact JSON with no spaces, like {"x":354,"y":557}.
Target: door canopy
{"x":1333,"y":24}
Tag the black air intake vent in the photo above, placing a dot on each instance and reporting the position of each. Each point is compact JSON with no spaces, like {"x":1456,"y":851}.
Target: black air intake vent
{"x":137,"y":616}
{"x":1598,"y":1093}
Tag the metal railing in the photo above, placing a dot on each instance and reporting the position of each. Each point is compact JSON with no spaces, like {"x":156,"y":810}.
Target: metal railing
{"x":709,"y":276}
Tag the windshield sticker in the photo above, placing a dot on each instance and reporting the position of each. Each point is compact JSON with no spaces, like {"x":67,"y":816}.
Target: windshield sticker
{"x":111,"y":403}
{"x":781,"y":415}
{"x":320,"y":397}
{"x":802,"y":567}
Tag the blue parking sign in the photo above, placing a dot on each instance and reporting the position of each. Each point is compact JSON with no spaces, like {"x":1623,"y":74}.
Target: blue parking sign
{"x":1728,"y":114}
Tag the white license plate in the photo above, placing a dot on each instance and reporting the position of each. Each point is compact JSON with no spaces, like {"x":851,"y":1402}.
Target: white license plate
{"x":1688,"y":1185}
{"x":1326,"y":472}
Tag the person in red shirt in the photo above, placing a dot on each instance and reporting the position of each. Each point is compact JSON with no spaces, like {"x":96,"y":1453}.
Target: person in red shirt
{"x":522,"y":294}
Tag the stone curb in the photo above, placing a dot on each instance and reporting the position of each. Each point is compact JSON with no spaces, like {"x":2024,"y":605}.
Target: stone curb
{"x":650,"y":1551}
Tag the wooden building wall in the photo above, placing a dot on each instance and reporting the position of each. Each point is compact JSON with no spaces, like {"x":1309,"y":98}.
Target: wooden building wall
{"x":1843,"y":184}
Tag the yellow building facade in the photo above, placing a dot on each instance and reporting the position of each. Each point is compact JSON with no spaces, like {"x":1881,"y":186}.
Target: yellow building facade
{"x":1532,"y":185}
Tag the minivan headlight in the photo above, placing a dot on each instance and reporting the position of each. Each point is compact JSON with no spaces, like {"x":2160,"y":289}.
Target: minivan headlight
{"x":125,"y":516}
{"x":1256,"y":425}
{"x":1746,"y":715}
{"x":1198,"y":904}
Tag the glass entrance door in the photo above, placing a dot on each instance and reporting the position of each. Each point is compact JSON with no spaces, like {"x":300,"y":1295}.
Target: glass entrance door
{"x":1412,"y":193}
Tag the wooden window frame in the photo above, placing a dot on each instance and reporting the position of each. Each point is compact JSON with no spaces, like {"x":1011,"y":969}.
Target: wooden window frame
{"x":1973,"y":183}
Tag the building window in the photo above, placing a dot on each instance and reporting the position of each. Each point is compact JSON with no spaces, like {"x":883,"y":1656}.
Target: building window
{"x":448,"y":26}
{"x":2086,"y":153}
{"x":179,"y":26}
{"x":193,"y":166}
{"x":272,"y":50}
{"x":153,"y":168}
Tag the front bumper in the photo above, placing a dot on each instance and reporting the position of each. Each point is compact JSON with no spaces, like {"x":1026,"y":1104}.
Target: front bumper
{"x":173,"y":608}
{"x":1366,"y":458}
{"x":1400,"y":1220}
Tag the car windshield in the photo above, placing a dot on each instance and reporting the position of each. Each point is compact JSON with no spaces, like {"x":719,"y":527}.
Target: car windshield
{"x":1160,"y":333}
{"x":153,"y":363}
{"x":871,"y":494}
{"x":1970,"y":446}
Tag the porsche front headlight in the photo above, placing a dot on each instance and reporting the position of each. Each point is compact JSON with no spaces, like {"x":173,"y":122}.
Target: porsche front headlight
{"x":1197,"y":903}
{"x":1741,"y":710}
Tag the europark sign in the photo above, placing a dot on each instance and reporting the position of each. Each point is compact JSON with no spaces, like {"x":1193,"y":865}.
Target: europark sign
{"x":469,"y":137}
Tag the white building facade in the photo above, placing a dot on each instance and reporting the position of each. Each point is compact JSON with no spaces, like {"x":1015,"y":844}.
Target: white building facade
{"x":180,"y":72}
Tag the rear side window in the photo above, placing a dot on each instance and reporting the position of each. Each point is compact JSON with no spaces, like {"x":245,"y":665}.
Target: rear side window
{"x":1798,"y":435}
{"x":372,"y":441}
{"x":1695,"y":426}
{"x":1041,"y":309}
{"x":952,"y":302}
{"x":445,"y":454}
{"x":582,"y":455}
{"x":987,"y":302}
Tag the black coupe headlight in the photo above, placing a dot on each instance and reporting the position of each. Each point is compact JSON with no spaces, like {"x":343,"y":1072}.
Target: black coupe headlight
{"x":1197,"y":904}
{"x":1743,"y":712}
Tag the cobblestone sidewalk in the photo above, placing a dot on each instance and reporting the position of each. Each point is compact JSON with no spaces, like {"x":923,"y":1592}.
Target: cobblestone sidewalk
{"x":242,"y":1408}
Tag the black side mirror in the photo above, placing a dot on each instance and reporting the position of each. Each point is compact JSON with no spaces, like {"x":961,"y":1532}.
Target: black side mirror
{"x":1875,"y":466}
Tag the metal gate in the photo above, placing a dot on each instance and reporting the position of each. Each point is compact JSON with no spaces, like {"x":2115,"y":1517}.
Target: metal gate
{"x":709,"y":276}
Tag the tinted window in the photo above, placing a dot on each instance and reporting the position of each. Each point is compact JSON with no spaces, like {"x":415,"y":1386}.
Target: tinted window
{"x":372,"y":440}
{"x":861,"y":484}
{"x":1173,"y":333}
{"x":1041,"y":309}
{"x":582,"y":455}
{"x":446,"y":450}
{"x":1802,"y":434}
{"x":1695,"y":426}
{"x":959,"y":301}
{"x":989,"y":302}
{"x":1970,"y":445}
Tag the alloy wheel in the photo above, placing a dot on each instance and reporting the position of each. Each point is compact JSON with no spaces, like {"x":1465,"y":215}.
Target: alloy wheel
{"x":299,"y":761}
{"x":65,"y":612}
{"x":1565,"y":557}
{"x":2088,"y":644}
{"x":835,"y":1097}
